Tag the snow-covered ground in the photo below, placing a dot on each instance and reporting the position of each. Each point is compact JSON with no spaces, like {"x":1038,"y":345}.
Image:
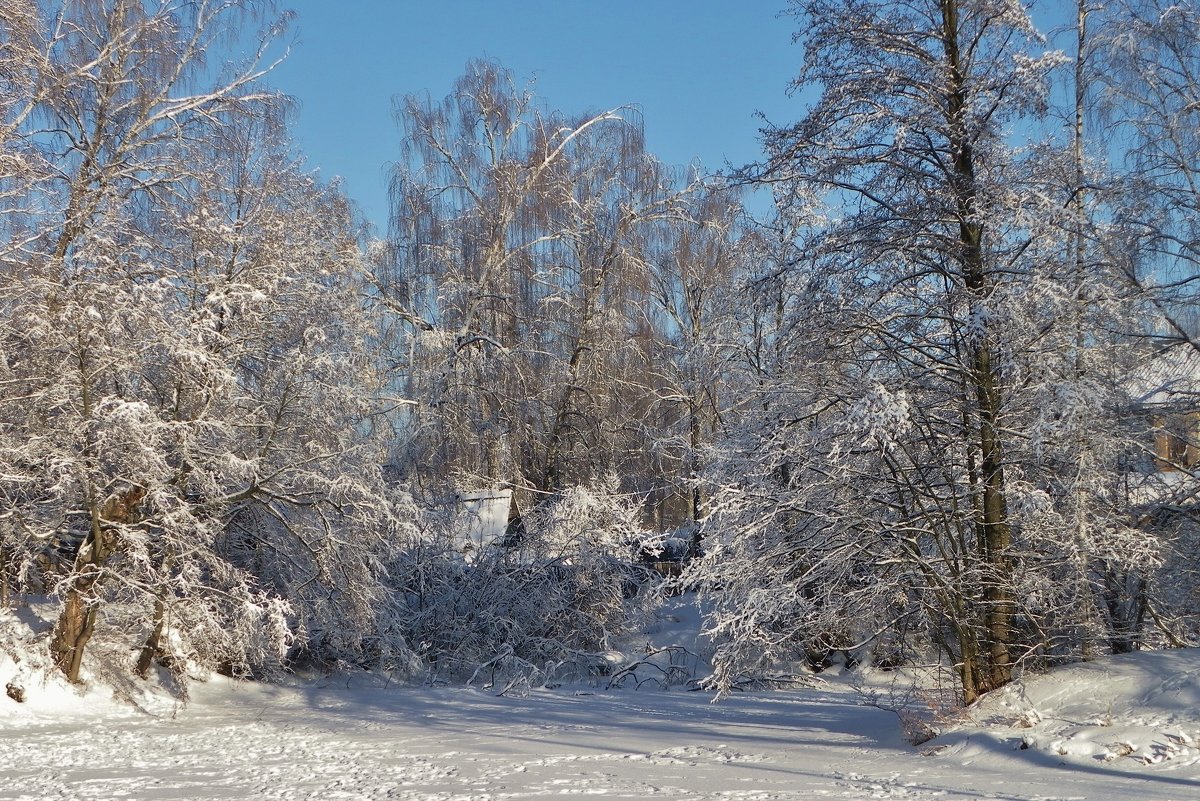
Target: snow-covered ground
{"x":357,"y":739}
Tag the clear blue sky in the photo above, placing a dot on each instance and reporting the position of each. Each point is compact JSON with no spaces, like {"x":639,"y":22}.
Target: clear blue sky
{"x":699,"y":69}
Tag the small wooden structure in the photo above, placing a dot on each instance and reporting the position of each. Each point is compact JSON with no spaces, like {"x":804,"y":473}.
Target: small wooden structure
{"x":1167,"y":390}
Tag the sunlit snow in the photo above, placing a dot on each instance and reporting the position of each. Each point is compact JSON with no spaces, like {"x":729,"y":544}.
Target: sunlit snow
{"x":1119,"y":728}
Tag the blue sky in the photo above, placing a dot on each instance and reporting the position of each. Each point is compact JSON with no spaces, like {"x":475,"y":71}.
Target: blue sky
{"x":699,"y":69}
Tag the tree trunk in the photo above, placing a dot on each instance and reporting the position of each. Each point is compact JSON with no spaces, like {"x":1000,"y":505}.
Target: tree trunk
{"x":995,"y":536}
{"x":77,"y":621}
{"x":695,"y":438}
{"x":4,"y":586}
{"x":968,"y":669}
{"x":552,"y":473}
{"x":74,"y":626}
{"x":153,"y":644}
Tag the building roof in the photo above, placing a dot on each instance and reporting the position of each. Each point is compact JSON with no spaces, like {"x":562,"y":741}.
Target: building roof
{"x":1170,"y":378}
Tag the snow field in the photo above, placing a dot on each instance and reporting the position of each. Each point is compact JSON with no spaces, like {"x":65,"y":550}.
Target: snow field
{"x":355,"y":739}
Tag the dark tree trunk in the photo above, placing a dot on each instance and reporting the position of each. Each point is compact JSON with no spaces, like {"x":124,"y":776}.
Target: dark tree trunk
{"x":995,"y":535}
{"x":77,"y":621}
{"x":153,"y":645}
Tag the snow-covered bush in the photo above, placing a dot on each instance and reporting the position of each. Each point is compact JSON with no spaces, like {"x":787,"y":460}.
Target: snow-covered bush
{"x":539,"y":604}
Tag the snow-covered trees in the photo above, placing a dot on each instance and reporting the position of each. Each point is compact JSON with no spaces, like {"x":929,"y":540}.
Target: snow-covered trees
{"x":540,"y":605}
{"x":1150,"y":56}
{"x":904,"y":461}
{"x":1151,"y":53}
{"x":183,"y":359}
{"x":559,"y":308}
{"x":901,"y":409}
{"x":531,"y":274}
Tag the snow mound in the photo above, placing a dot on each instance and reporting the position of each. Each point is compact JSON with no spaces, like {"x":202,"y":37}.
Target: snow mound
{"x":34,"y":691}
{"x":1127,"y":712}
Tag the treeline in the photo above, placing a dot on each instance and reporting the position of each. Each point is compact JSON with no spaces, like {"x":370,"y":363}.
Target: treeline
{"x":913,"y":413}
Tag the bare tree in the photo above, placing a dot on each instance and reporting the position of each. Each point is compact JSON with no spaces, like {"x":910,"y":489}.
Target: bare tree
{"x":695,"y":319}
{"x":518,"y":264}
{"x":1153,"y":81}
{"x":903,"y":192}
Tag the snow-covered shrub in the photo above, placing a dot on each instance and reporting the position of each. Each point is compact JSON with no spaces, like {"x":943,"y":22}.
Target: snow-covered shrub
{"x":541,"y":603}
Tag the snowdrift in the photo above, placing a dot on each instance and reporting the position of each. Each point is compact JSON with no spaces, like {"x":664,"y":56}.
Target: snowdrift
{"x":1128,"y":712}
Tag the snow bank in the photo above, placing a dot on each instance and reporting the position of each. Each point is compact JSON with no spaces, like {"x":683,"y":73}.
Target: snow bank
{"x":1126,"y":712}
{"x":45,"y":694}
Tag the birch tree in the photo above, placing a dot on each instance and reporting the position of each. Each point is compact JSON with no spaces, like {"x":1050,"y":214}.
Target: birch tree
{"x":518,"y":258}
